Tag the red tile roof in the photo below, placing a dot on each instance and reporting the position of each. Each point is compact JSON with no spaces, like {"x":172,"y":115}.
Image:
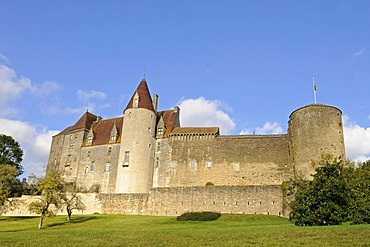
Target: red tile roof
{"x":145,"y":100}
{"x":83,"y":123}
{"x":170,"y":118}
{"x":103,"y":128}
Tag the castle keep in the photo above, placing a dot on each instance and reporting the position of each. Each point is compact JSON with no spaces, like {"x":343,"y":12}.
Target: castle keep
{"x":146,"y":163}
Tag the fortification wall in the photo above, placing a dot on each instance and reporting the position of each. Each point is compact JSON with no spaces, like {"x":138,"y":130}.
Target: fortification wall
{"x":124,"y":203}
{"x":223,"y":160}
{"x":20,"y":206}
{"x":174,"y":201}
{"x":224,"y":199}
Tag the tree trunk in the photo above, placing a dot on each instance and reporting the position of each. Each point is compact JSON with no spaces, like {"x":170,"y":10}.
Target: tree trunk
{"x":69,"y":214}
{"x":41,"y":221}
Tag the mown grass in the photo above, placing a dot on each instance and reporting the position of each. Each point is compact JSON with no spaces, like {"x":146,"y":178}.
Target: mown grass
{"x":123,"y":230}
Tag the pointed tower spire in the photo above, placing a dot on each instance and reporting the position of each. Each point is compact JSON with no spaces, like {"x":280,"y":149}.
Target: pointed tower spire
{"x":141,"y":97}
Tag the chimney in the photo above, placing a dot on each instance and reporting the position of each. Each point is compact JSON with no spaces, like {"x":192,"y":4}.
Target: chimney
{"x":176,"y":109}
{"x":98,"y":119}
{"x":155,"y":102}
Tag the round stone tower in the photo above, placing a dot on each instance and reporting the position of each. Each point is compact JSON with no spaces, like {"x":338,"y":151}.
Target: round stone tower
{"x":314,"y":130}
{"x":136,"y":160}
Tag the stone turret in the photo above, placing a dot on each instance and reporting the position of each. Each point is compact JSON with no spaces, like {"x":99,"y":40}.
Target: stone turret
{"x":135,"y":168}
{"x":314,"y":130}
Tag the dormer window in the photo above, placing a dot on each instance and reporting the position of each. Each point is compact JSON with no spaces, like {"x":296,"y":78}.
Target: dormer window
{"x":90,"y":137}
{"x":113,"y":134}
{"x":136,"y":100}
{"x":90,"y":140}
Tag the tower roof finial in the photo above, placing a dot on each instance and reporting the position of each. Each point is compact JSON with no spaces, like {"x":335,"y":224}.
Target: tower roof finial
{"x":144,"y":72}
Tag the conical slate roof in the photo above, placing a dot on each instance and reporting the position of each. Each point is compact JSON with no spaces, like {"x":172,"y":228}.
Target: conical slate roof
{"x":145,"y":100}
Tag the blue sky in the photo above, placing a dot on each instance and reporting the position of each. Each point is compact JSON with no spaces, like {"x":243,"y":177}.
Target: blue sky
{"x":241,"y":65}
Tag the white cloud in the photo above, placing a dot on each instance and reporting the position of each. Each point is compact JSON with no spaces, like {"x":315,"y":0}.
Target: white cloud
{"x":34,"y":142}
{"x":202,"y":112}
{"x":92,"y":94}
{"x":357,"y":140}
{"x":267,"y":129}
{"x":14,"y":86}
{"x":4,"y":58}
{"x":359,"y":53}
{"x":45,"y":89}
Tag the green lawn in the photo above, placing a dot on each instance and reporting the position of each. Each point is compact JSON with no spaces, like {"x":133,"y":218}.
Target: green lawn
{"x":122,"y":230}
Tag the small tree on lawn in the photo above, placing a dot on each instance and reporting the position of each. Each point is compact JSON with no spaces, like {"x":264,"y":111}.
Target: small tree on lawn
{"x":52,"y":192}
{"x":71,"y":199}
{"x":325,"y":199}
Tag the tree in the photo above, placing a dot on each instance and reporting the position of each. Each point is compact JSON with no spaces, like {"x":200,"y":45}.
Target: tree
{"x":8,"y":175}
{"x":359,"y":188}
{"x":325,"y":199}
{"x":52,"y":192}
{"x":11,"y":153}
{"x":71,"y":199}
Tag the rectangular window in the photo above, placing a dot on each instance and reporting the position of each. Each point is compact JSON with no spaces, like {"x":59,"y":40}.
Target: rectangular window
{"x":193,"y":163}
{"x":209,"y":164}
{"x":126,"y":158}
{"x":108,"y":166}
{"x":156,"y":162}
{"x":92,"y":167}
{"x":173,"y":164}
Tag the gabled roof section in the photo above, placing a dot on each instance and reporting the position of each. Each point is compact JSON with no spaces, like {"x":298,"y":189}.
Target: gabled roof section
{"x":170,"y":119}
{"x":145,"y":100}
{"x":84,"y":122}
{"x":102,"y":130}
{"x":196,"y":131}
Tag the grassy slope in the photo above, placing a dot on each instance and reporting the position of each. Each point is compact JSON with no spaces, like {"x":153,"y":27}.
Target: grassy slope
{"x":121,"y":230}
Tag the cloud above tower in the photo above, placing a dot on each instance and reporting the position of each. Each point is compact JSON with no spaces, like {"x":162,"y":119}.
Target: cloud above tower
{"x":203,"y":112}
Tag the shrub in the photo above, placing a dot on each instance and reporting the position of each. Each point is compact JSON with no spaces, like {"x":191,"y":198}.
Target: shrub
{"x":199,"y":216}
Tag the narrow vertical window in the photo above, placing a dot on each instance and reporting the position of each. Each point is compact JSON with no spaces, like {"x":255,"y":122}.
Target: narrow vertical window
{"x":126,"y":158}
{"x":92,"y":167}
{"x":108,"y":166}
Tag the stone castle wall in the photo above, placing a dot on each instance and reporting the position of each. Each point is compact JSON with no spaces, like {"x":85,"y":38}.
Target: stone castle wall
{"x":175,"y":201}
{"x":222,"y":160}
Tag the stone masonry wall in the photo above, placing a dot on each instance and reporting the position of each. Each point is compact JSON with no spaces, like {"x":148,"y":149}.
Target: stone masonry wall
{"x":223,"y":160}
{"x":224,"y":199}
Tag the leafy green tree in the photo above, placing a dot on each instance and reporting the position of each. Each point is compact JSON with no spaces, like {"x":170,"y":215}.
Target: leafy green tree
{"x":359,"y":187}
{"x":8,"y":176}
{"x":71,"y":199}
{"x":323,"y":200}
{"x":11,"y":153}
{"x":52,"y":193}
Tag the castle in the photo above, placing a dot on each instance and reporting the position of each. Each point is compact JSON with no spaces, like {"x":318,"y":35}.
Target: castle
{"x":146,"y":163}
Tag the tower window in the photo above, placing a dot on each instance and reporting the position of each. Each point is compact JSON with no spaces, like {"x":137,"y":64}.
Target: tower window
{"x":126,"y":158}
{"x":108,"y":166}
{"x":193,"y":163}
{"x":92,"y":167}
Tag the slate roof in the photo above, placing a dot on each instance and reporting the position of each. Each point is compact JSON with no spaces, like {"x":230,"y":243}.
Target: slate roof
{"x":145,"y":100}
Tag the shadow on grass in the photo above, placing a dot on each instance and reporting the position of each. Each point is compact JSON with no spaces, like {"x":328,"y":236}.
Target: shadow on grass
{"x":75,"y":220}
{"x":16,"y":218}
